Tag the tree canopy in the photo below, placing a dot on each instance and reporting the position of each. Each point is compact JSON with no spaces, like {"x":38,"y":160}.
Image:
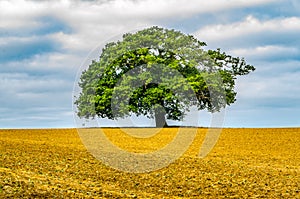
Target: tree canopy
{"x":158,"y":73}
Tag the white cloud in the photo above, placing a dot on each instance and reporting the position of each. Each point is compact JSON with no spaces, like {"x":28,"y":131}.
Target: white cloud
{"x":21,"y":11}
{"x":249,"y":26}
{"x":97,"y":21}
{"x":21,"y":83}
{"x":281,"y":86}
{"x":22,"y":101}
{"x":17,"y":14}
{"x":266,"y":52}
{"x":60,"y":63}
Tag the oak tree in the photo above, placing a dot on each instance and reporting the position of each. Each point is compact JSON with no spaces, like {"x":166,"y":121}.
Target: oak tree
{"x":144,"y":72}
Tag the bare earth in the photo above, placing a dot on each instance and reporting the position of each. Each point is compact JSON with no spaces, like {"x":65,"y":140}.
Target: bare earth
{"x":245,"y":163}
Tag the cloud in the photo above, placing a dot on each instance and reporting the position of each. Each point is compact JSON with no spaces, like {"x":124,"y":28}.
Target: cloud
{"x":44,"y":43}
{"x":23,"y":91}
{"x":43,"y":25}
{"x":263,"y":86}
{"x":251,"y":31}
{"x":96,"y":21}
{"x":268,"y":52}
{"x":20,"y":82}
{"x":249,"y":26}
{"x":34,"y":101}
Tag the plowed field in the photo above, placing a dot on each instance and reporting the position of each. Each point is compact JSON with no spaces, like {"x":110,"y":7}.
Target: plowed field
{"x":245,"y":163}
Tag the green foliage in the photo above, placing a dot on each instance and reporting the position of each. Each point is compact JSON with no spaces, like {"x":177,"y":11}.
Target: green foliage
{"x":163,"y":63}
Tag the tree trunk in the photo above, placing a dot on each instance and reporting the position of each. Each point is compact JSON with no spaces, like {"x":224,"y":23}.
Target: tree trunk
{"x":160,"y":118}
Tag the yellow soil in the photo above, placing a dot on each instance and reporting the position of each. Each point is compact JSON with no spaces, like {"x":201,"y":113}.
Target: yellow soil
{"x":245,"y":163}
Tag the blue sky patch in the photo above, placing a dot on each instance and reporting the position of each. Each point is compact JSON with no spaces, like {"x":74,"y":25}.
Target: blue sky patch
{"x":20,"y":50}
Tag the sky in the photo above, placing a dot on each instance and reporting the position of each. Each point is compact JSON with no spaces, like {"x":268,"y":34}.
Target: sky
{"x":45,"y":44}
